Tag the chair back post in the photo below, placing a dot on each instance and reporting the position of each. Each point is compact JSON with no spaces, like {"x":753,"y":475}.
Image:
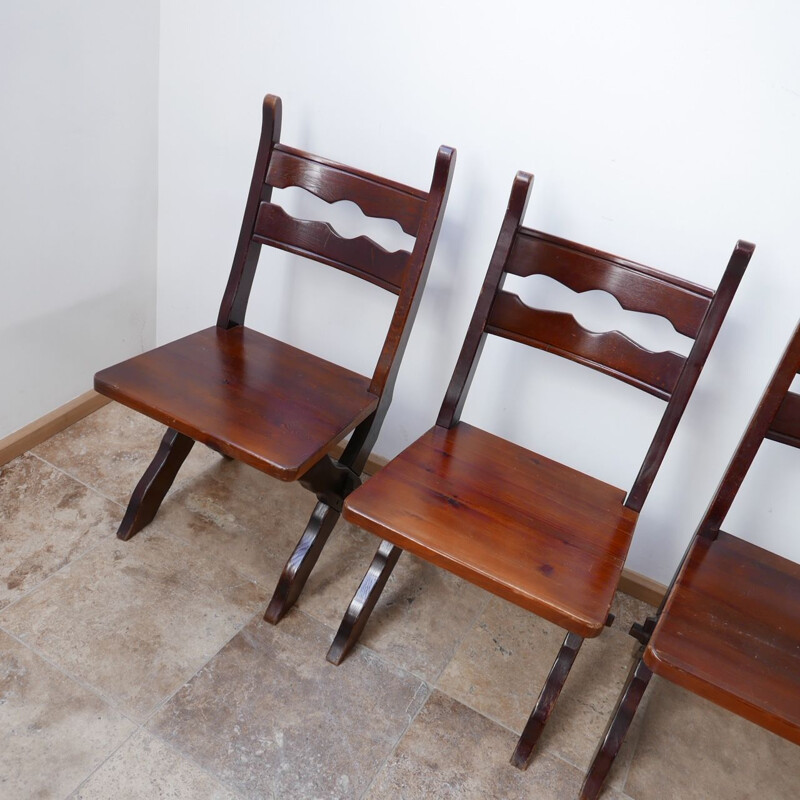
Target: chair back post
{"x":383,"y":379}
{"x":245,"y":260}
{"x":467,"y":363}
{"x":759,"y":428}
{"x":415,"y":276}
{"x":715,"y":314}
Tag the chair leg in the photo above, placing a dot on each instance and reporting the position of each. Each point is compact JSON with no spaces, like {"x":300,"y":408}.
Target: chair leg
{"x":301,"y":562}
{"x":618,"y":725}
{"x":547,"y":699}
{"x":363,"y":602}
{"x":154,"y":484}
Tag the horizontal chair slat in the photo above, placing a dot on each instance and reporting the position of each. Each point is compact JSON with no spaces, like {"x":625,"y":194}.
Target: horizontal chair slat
{"x":318,"y":240}
{"x":610,"y":352}
{"x":785,"y":427}
{"x":635,"y":287}
{"x":332,"y":182}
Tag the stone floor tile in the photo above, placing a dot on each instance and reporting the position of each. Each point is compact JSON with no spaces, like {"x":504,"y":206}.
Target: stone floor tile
{"x":271,"y":718}
{"x":136,"y":619}
{"x":450,"y":751}
{"x":690,"y":749}
{"x":421,"y":616}
{"x":502,"y":664}
{"x":53,"y":732}
{"x":255,"y":521}
{"x":46,"y":519}
{"x":145,"y":768}
{"x":110,"y":450}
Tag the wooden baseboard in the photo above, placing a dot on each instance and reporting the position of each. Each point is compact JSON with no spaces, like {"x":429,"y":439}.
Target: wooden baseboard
{"x":50,"y":424}
{"x":633,"y":583}
{"x":641,"y":587}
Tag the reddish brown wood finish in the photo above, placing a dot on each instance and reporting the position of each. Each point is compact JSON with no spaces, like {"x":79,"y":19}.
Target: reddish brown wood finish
{"x":360,"y":256}
{"x":611,"y":352}
{"x":245,"y":394}
{"x":730,"y":632}
{"x":729,"y":626}
{"x":528,"y":529}
{"x":259,"y":400}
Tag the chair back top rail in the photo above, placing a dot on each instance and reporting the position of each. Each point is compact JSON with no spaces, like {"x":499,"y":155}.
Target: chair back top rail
{"x":635,"y":287}
{"x":265,"y":223}
{"x":332,"y":182}
{"x":694,"y":311}
{"x":776,"y":417}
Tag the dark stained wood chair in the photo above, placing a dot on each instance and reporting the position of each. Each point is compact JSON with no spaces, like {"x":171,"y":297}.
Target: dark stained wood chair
{"x":535,"y":532}
{"x":729,"y":626}
{"x":254,"y":398}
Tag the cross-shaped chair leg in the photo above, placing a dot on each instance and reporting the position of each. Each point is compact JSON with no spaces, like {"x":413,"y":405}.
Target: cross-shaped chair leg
{"x":547,"y":699}
{"x":301,"y":562}
{"x":618,"y":725}
{"x":154,"y":484}
{"x":364,"y":601}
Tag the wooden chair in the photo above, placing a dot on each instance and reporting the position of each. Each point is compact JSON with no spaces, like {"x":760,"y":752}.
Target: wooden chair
{"x":729,"y":626}
{"x":528,"y":529}
{"x":256,"y":399}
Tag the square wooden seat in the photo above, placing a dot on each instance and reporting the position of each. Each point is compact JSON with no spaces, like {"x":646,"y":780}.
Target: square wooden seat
{"x":547,"y":537}
{"x":538,"y":533}
{"x":730,"y":632}
{"x":247,"y":395}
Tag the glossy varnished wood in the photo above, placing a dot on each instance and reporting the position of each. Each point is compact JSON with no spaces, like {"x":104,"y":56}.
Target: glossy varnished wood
{"x":527,"y":528}
{"x":375,"y":196}
{"x":359,"y":256}
{"x":610,"y":352}
{"x":635,"y":286}
{"x":730,"y":632}
{"x":245,"y":394}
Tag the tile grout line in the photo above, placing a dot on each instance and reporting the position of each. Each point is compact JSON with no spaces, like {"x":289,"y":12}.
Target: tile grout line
{"x":112,"y":753}
{"x":91,"y":488}
{"x":160,"y":705}
{"x":192,"y":760}
{"x":467,"y":631}
{"x":49,"y":578}
{"x":74,"y":678}
{"x":385,"y":761}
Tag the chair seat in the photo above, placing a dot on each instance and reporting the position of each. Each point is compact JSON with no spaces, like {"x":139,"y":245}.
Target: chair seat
{"x":245,"y":394}
{"x":526,"y":528}
{"x":731,"y":632}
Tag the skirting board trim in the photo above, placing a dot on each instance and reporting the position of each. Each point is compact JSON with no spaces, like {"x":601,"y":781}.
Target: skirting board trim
{"x":15,"y":444}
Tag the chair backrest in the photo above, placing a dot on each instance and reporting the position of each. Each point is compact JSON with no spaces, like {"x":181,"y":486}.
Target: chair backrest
{"x":403,"y":273}
{"x":777,"y":417}
{"x":693,"y":310}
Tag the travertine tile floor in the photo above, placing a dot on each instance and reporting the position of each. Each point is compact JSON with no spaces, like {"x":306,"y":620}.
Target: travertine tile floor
{"x":144,"y":669}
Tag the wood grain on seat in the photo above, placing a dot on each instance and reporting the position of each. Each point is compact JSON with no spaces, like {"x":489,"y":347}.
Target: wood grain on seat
{"x":529,"y":529}
{"x":730,"y":632}
{"x":252,"y":397}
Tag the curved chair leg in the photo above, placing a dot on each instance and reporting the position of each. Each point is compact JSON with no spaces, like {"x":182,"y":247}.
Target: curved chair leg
{"x":301,"y":562}
{"x":364,"y":601}
{"x":154,"y":484}
{"x":618,"y":725}
{"x":547,"y":699}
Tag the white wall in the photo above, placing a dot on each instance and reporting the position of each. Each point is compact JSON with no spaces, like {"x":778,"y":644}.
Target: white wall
{"x":78,"y":149}
{"x":662,"y":133}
